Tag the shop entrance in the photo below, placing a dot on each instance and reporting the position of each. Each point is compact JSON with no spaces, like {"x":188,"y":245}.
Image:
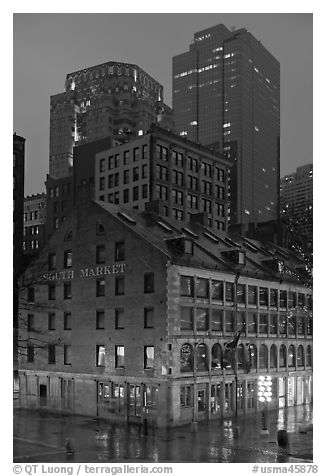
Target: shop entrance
{"x":201,"y":407}
{"x":43,"y":395}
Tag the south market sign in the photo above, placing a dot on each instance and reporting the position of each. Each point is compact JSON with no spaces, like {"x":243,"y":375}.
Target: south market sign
{"x":85,"y":273}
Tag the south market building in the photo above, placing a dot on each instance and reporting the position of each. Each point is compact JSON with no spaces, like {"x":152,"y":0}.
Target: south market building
{"x":125,"y":315}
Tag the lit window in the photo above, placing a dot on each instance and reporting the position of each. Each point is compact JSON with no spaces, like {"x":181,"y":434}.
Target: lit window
{"x":100,"y":356}
{"x":148,"y":357}
{"x":119,"y":356}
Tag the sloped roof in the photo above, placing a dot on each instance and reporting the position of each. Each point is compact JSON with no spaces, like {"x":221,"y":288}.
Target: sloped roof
{"x":263,"y":261}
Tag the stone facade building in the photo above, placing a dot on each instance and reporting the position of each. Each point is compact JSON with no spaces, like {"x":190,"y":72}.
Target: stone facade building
{"x":126,"y":315}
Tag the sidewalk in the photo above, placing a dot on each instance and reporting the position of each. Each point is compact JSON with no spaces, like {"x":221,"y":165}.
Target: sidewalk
{"x":41,"y":437}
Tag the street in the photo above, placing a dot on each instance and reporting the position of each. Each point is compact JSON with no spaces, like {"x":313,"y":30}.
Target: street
{"x":42,"y":437}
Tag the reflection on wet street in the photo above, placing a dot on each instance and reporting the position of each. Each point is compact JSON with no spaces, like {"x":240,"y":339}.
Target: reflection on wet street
{"x":42,"y":437}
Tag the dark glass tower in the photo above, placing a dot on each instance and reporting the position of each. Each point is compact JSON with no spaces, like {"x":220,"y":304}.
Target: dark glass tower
{"x":226,"y":91}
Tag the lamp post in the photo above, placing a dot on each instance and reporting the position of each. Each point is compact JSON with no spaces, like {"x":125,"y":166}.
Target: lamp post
{"x":265,"y":396}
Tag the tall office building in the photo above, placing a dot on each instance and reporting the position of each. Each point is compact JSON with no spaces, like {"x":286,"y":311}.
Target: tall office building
{"x":297,"y":203}
{"x":226,"y":91}
{"x":108,"y":100}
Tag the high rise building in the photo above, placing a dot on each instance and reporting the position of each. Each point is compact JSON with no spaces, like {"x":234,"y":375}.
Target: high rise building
{"x":226,"y":91}
{"x":107,"y":100}
{"x":297,"y":202}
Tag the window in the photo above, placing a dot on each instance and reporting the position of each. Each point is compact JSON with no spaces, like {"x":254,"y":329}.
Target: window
{"x":126,"y":196}
{"x":187,"y":286}
{"x":282,"y":324}
{"x":292,"y":299}
{"x":300,"y":356}
{"x":185,"y":396}
{"x":119,"y":319}
{"x":111,"y":162}
{"x":201,"y":319}
{"x":145,"y":151}
{"x":116,"y":179}
{"x":119,"y":285}
{"x":217,"y":320}
{"x":119,"y":251}
{"x":252,"y":295}
{"x":144,"y":171}
{"x":67,"y":291}
{"x":135,"y":193}
{"x":51,"y":321}
{"x":283,"y":298}
{"x":135,"y":174}
{"x":217,"y":290}
{"x":148,"y":317}
{"x":136,"y":154}
{"x":252,"y":323}
{"x":100,"y":254}
{"x":51,"y":292}
{"x":217,"y":356}
{"x":126,"y":156}
{"x":30,"y":353}
{"x":300,"y":325}
{"x":229,"y":292}
{"x":273,"y":357}
{"x":51,"y":354}
{"x":201,"y":357}
{"x":263,"y":356}
{"x":30,"y":294}
{"x":282,"y":358}
{"x":186,"y":358}
{"x":67,"y":259}
{"x":100,"y":355}
{"x":273,"y":324}
{"x":291,"y":356}
{"x":148,"y":282}
{"x":202,"y":288}
{"x":67,"y":354}
{"x":308,"y":356}
{"x":100,"y":319}
{"x":263,"y":323}
{"x":186,"y":318}
{"x":144,"y":191}
{"x":116,"y":160}
{"x":148,"y":357}
{"x":229,"y":321}
{"x":101,"y":183}
{"x":102,"y":165}
{"x":263,"y":296}
{"x":52,"y":261}
{"x":241,"y":356}
{"x":67,"y":321}
{"x":241,"y":293}
{"x":100,"y":287}
{"x":119,"y":357}
{"x":301,"y":300}
{"x":126,"y":177}
{"x":56,"y":223}
{"x":30,"y":322}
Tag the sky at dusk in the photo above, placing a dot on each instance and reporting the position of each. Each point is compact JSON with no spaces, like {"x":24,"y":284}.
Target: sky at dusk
{"x":47,"y":46}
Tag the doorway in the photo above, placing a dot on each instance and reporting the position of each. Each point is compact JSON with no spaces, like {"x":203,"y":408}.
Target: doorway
{"x":43,"y":395}
{"x":201,"y":406}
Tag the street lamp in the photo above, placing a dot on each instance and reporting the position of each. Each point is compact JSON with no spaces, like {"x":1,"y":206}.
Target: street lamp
{"x":265,"y":396}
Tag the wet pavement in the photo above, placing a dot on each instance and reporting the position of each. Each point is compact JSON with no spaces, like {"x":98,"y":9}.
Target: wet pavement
{"x":41,"y":437}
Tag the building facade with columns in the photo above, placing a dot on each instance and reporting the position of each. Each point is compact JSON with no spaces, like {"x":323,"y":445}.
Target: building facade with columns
{"x":126,"y":315}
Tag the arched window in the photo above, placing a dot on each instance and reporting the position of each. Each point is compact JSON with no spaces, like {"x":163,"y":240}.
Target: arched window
{"x":186,"y":358}
{"x":217,"y":356}
{"x":308,"y":356}
{"x":291,"y":356}
{"x":282,"y":359}
{"x":273,"y":357}
{"x":201,"y":357}
{"x":252,"y":357}
{"x":241,"y":356}
{"x":300,"y":356}
{"x":263,"y":357}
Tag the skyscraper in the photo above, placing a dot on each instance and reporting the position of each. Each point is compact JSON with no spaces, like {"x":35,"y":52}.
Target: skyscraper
{"x":107,"y":100}
{"x":226,"y":92}
{"x":297,"y":204}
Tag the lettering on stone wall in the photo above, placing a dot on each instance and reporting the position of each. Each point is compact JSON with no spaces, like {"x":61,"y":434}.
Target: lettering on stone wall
{"x":85,"y":272}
